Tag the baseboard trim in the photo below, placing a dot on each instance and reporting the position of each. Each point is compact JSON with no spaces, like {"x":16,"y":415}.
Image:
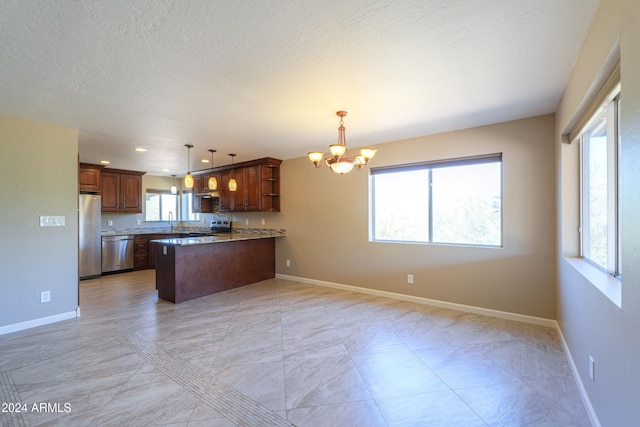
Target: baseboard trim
{"x":16,"y":327}
{"x":550,"y":323}
{"x":593,"y":417}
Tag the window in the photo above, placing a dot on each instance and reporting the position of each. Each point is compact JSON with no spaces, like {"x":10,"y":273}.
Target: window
{"x":599,"y":144}
{"x":456,"y":201}
{"x":186,"y":205}
{"x":159,"y":204}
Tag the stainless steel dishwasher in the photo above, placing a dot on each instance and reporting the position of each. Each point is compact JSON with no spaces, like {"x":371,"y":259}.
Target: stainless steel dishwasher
{"x":117,"y":253}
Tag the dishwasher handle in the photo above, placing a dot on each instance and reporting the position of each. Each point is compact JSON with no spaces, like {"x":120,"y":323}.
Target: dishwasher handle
{"x":116,"y":238}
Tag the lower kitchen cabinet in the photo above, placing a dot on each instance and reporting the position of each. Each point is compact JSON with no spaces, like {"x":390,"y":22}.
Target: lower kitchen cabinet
{"x":141,"y":252}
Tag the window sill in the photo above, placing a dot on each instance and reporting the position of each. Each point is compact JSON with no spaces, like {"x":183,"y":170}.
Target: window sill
{"x":605,"y":283}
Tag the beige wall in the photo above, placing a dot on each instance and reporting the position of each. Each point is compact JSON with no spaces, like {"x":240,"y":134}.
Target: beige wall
{"x":590,"y":322}
{"x":326,"y":218}
{"x":39,"y":175}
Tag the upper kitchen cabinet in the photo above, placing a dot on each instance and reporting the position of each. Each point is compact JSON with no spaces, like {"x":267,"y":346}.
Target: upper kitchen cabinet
{"x":270,"y":186}
{"x":121,"y":191}
{"x":258,"y":186}
{"x":247,"y":196}
{"x":197,"y":188}
{"x":89,"y":178}
{"x":201,"y":198}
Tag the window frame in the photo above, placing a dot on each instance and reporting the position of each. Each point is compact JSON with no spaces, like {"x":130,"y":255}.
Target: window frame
{"x":430,"y":166}
{"x":161,"y":192}
{"x":610,"y":106}
{"x":184,"y":216}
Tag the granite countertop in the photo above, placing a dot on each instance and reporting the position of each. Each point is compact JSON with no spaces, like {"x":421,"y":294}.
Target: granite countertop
{"x":177,"y":230}
{"x":238,"y":234}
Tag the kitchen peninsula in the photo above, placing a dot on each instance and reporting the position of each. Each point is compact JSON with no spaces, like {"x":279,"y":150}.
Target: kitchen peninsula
{"x":192,"y":267}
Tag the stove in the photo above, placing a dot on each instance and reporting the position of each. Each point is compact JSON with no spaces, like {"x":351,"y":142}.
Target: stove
{"x":218,"y":226}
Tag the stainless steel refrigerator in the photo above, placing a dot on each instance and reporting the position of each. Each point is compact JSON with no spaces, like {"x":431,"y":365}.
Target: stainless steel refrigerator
{"x":89,"y":242}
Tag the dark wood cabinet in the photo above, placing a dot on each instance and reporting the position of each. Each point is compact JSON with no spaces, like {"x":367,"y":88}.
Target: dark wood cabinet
{"x":197,"y":189}
{"x":89,"y":178}
{"x":270,"y":187}
{"x":141,"y":252}
{"x":226,"y":196}
{"x":110,"y":192}
{"x":258,"y":184}
{"x":121,"y":191}
{"x":251,"y":191}
{"x":238,"y":198}
{"x":246,"y":197}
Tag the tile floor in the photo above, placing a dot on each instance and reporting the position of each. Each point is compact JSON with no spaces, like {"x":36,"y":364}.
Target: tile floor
{"x":282,"y":353}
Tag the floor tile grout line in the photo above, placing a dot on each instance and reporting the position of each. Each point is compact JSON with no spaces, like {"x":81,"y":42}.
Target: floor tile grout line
{"x":9,"y":394}
{"x":229,"y":402}
{"x":196,"y":388}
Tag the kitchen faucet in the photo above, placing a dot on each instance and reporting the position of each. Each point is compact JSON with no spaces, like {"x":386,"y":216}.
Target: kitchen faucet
{"x":171,"y":224}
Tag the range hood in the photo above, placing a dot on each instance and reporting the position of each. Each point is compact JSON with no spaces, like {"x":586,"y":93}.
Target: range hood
{"x":209,"y":194}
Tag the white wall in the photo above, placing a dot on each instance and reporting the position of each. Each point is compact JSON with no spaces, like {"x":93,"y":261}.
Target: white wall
{"x":39,"y":175}
{"x":591,"y":323}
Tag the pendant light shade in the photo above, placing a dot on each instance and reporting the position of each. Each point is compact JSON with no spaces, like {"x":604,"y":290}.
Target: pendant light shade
{"x":174,"y":189}
{"x":341,"y":161}
{"x":233,"y":185}
{"x":188,"y":178}
{"x":213,"y":182}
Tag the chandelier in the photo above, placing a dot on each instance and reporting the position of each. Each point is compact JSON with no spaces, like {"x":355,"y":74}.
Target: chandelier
{"x":341,"y":161}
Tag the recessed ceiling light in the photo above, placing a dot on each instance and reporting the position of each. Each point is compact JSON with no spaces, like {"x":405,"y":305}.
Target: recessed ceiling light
{"x":165,"y":170}
{"x":104,"y":162}
{"x":140,"y":150}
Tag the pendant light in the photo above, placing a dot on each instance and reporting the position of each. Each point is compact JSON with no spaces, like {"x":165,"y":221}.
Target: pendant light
{"x":213,"y":182}
{"x":188,"y":178}
{"x":341,"y":160}
{"x":233,"y":185}
{"x":174,"y":189}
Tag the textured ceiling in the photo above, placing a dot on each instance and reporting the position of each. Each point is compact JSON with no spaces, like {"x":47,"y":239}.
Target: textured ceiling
{"x":265,"y":78}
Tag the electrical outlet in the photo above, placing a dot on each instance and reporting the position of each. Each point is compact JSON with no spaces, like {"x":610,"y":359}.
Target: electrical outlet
{"x":410,"y":278}
{"x":287,"y":263}
{"x":263,"y":221}
{"x":138,"y":222}
{"x":45,"y":296}
{"x":592,"y":367}
{"x":246,"y":221}
{"x":109,"y":223}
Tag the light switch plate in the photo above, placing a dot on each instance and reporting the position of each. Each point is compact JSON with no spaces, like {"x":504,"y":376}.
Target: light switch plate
{"x":52,"y":221}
